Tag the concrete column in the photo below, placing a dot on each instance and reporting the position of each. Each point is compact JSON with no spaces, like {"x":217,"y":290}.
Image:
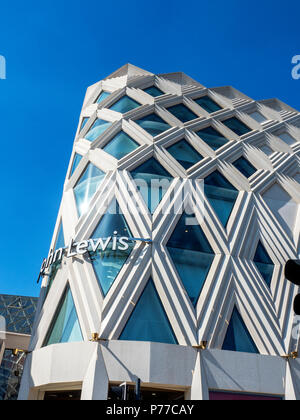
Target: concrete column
{"x":95,"y":382}
{"x":199,"y":388}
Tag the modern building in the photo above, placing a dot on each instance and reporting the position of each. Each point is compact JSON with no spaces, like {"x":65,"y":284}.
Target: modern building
{"x":16,"y":321}
{"x":179,"y":211}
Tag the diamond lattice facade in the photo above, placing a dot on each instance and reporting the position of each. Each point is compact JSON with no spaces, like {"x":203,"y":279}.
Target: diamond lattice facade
{"x":197,"y":302}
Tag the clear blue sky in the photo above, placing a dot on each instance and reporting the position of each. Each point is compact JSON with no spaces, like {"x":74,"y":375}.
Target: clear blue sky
{"x":55,"y":49}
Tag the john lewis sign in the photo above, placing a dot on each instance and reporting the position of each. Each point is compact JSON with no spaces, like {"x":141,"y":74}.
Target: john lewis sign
{"x":91,"y":245}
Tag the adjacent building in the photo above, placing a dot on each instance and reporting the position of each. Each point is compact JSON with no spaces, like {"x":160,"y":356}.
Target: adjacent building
{"x":179,"y":211}
{"x":16,"y":321}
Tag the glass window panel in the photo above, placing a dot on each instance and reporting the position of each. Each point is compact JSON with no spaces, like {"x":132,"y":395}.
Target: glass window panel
{"x":84,"y":121}
{"x":237,"y":126}
{"x":189,"y":237}
{"x":97,"y":129}
{"x":257,"y":116}
{"x":65,"y":327}
{"x":124,"y":105}
{"x":121,"y":145}
{"x":245,"y":167}
{"x":267,"y":150}
{"x":185,"y":154}
{"x":86,"y":187}
{"x":76,"y":160}
{"x":148,"y":321}
{"x":221,"y":195}
{"x":107,"y":264}
{"x":153,"y":124}
{"x":238,"y":337}
{"x":264,"y":263}
{"x":60,"y":241}
{"x":192,"y":256}
{"x":212,"y":137}
{"x":287,"y":139}
{"x":208,"y":104}
{"x":152,"y":181}
{"x":183,"y":113}
{"x":153,"y":91}
{"x":103,"y":95}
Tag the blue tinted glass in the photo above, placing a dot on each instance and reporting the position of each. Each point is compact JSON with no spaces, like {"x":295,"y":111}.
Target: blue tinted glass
{"x":65,"y":327}
{"x":97,"y":129}
{"x":103,"y":95}
{"x":244,"y":166}
{"x":153,"y":124}
{"x":221,"y":195}
{"x":124,"y":104}
{"x":238,"y":337}
{"x":190,"y":237}
{"x":237,"y":126}
{"x":264,"y":263}
{"x":84,"y":121}
{"x":185,"y":154}
{"x":261,"y":255}
{"x":153,"y":91}
{"x":76,"y":160}
{"x":152,"y":181}
{"x":212,"y":137}
{"x":183,"y":113}
{"x":192,"y":256}
{"x":60,"y":241}
{"x":208,"y":104}
{"x":86,"y":187}
{"x":108,"y":263}
{"x":148,"y":321}
{"x":121,"y":145}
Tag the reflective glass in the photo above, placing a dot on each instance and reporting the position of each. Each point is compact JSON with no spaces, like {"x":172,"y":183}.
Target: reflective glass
{"x":287,"y":139}
{"x":264,"y":263}
{"x":148,"y":321}
{"x":108,"y":263}
{"x":192,"y":256}
{"x":60,"y":241}
{"x":153,"y":91}
{"x":238,"y":337}
{"x":221,"y":195}
{"x":120,"y":145}
{"x":208,"y":104}
{"x":103,"y":95}
{"x":152,"y":181}
{"x":86,"y":187}
{"x":185,"y":154}
{"x":84,"y":121}
{"x":257,"y":116}
{"x":212,"y":137}
{"x":76,"y":160}
{"x":124,"y":105}
{"x":9,"y":382}
{"x":245,"y":167}
{"x":153,"y":124}
{"x":237,"y":126}
{"x":18,"y":312}
{"x":65,"y":326}
{"x":183,"y":113}
{"x":97,"y":129}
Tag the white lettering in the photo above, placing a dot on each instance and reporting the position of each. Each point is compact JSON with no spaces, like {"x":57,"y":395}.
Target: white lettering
{"x":70,"y":253}
{"x":296,"y":69}
{"x":81,"y":247}
{"x":124,"y":244}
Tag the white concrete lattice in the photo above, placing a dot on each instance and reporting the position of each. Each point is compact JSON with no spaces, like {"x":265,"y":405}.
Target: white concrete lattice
{"x":233,"y":279}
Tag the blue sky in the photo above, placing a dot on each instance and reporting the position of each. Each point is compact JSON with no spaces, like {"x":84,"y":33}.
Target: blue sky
{"x":55,"y":49}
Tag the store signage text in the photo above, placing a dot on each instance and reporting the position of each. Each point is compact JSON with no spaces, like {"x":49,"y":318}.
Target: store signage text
{"x":91,"y":245}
